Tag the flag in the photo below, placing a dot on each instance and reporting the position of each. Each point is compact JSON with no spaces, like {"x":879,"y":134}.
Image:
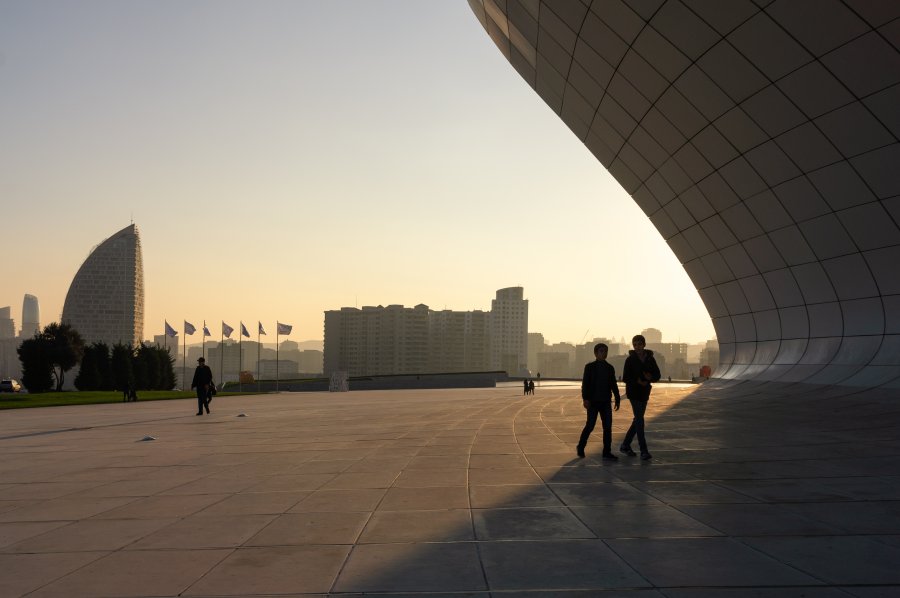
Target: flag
{"x":283,"y":328}
{"x":261,"y":329}
{"x":244,"y":331}
{"x":206,"y":331}
{"x":189,"y":328}
{"x":170,"y":331}
{"x":226,"y":329}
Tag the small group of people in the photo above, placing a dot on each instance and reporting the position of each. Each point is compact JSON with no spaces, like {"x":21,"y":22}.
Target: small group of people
{"x":529,"y":386}
{"x":599,"y":385}
{"x":203,"y":382}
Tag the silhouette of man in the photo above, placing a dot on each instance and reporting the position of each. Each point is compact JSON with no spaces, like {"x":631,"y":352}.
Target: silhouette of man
{"x":202,"y":381}
{"x":597,"y":385}
{"x":639,"y":371}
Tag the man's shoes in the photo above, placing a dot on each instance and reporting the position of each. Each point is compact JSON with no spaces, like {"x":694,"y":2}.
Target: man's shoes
{"x":646,"y":456}
{"x":580,"y":451}
{"x":609,"y":457}
{"x":626,"y":450}
{"x":201,"y":413}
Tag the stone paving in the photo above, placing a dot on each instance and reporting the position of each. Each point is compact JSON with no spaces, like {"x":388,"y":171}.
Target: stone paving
{"x":453,"y":493}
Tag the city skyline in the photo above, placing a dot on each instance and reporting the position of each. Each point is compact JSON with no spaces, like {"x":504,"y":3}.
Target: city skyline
{"x":266,"y":189}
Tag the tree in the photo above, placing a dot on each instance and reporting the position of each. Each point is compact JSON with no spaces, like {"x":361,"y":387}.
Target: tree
{"x":166,"y":369}
{"x":146,"y":368}
{"x":121,"y":367}
{"x":95,"y":372}
{"x":37,"y":371}
{"x":65,"y":349}
{"x":88,"y":377}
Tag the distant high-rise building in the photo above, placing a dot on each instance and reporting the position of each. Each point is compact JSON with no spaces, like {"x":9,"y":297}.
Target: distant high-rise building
{"x":31,"y":316}
{"x":377,"y":340}
{"x":413,"y":340}
{"x":7,"y":325}
{"x":509,"y":331}
{"x":535,"y":346}
{"x":106,"y":299}
{"x":458,"y":341}
{"x":653,"y":336}
{"x":709,"y":356}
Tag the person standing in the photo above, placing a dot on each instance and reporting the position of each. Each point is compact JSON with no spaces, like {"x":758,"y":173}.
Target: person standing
{"x":639,"y":372}
{"x":597,"y":386}
{"x":202,"y":381}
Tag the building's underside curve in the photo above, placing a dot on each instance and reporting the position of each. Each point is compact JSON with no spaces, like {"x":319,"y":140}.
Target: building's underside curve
{"x":761,"y":139}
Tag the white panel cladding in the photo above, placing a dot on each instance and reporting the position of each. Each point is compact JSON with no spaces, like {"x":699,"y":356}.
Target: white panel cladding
{"x":763,"y":144}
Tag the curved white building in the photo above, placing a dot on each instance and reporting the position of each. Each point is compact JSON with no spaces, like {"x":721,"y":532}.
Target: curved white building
{"x":761,"y":139}
{"x":106,"y":299}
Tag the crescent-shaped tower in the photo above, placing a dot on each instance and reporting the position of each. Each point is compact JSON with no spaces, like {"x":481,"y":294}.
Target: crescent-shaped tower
{"x":105,"y":301}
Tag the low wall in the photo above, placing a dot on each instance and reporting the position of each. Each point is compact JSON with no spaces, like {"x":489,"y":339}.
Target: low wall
{"x":392,"y":382}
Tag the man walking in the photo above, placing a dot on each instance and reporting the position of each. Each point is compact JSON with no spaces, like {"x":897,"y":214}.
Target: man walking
{"x":202,"y":381}
{"x":597,"y":385}
{"x":639,"y":371}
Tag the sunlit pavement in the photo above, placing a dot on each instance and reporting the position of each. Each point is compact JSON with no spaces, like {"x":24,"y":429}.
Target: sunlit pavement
{"x":453,"y":493}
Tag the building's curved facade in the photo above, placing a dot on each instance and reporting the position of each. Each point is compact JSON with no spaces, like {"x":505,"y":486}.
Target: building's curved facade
{"x":106,"y":299}
{"x":761,"y":139}
{"x":31,"y":316}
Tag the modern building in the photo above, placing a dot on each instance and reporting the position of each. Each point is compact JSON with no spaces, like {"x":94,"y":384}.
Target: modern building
{"x":31,"y":316}
{"x":652,"y":335}
{"x":105,"y":301}
{"x":377,"y":340}
{"x":270,"y":369}
{"x":509,"y":331}
{"x":7,"y":324}
{"x":762,"y":140}
{"x":535,"y":346}
{"x":416,"y":340}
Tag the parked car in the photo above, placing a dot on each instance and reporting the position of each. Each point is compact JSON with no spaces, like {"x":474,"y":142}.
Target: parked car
{"x":10,"y":386}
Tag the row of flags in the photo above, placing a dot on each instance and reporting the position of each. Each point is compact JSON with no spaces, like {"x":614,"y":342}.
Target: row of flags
{"x":226,"y":329}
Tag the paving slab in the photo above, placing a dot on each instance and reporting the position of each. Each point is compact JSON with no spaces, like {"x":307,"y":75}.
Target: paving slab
{"x":457,"y":492}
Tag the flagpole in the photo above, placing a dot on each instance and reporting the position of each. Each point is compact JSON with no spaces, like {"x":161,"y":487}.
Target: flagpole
{"x":222,"y":357}
{"x":240,"y":355}
{"x":203,"y":342}
{"x":257,"y":356}
{"x":276,"y":356}
{"x":183,"y":357}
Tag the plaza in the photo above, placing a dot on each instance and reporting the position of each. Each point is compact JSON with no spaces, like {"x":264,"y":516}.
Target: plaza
{"x":457,"y":492}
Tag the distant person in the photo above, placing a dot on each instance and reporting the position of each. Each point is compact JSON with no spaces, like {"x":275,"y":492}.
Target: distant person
{"x":202,"y":382}
{"x":639,"y":372}
{"x":531,"y":387}
{"x":129,"y":394}
{"x":597,"y":386}
{"x":525,"y":382}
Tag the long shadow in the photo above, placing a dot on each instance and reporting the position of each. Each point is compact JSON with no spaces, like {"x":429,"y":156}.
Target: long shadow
{"x":791,"y":493}
{"x":478,"y":493}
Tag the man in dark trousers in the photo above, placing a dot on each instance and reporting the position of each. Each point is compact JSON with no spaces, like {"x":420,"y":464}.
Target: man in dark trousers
{"x":202,"y":380}
{"x":639,"y":371}
{"x":597,"y":385}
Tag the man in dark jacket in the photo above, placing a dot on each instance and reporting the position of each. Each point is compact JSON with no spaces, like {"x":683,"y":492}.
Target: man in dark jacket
{"x":639,"y":371}
{"x":202,"y":381}
{"x":597,"y":385}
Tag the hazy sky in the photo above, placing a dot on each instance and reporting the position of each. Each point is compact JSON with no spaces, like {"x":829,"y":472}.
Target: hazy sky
{"x":282,"y":158}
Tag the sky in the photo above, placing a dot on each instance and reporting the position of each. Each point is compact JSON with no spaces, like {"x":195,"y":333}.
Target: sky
{"x":284,"y":158}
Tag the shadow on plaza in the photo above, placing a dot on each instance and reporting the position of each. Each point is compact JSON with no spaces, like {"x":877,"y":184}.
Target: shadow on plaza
{"x":751,"y":486}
